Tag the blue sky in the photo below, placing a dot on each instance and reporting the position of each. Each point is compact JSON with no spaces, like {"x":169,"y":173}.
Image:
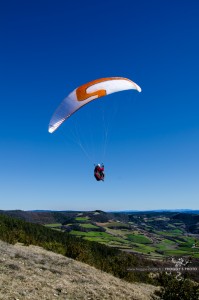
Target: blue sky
{"x":48,"y":48}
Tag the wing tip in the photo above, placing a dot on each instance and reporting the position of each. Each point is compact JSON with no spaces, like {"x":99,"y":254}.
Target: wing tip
{"x":51,"y":129}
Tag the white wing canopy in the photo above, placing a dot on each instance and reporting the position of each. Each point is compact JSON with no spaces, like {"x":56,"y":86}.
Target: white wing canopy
{"x":86,"y":93}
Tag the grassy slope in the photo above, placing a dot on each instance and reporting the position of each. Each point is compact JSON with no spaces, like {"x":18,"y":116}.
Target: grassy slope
{"x":34,"y":273}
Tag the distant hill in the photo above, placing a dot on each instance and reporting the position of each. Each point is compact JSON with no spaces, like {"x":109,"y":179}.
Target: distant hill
{"x":40,"y":217}
{"x":189,"y":211}
{"x":190,"y":218}
{"x":49,"y":217}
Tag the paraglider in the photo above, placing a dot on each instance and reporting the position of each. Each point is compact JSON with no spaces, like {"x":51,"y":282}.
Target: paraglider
{"x":83,"y":95}
{"x":99,"y":172}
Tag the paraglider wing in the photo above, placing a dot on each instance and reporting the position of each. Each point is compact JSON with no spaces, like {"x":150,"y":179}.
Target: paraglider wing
{"x":86,"y":93}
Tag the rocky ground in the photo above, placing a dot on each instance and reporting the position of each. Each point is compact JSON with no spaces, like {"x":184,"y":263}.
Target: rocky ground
{"x":34,"y":273}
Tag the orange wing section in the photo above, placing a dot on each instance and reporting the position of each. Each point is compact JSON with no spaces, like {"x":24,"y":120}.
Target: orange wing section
{"x":81,"y":91}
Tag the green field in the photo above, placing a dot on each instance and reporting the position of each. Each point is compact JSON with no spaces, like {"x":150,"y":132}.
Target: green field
{"x":89,"y":226}
{"x":54,"y":225}
{"x":82,"y":219}
{"x":138,"y":238}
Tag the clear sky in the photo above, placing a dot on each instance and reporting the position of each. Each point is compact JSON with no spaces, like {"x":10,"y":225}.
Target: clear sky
{"x":47,"y":49}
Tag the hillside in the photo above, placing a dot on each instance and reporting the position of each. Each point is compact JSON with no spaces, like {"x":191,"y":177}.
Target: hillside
{"x":34,"y":273}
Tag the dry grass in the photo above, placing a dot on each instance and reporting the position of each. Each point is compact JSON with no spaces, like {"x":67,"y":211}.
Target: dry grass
{"x":34,"y":273}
